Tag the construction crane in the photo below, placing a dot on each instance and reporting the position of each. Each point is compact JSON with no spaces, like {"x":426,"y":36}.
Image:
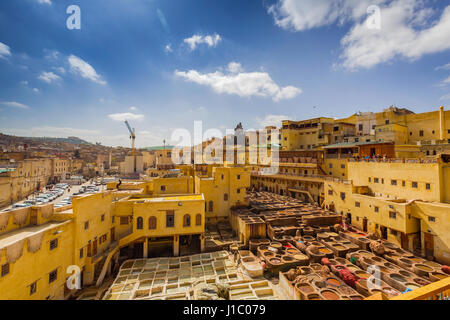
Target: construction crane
{"x":132,"y":137}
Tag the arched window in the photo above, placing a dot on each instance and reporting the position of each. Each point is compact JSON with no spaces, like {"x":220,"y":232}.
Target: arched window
{"x":152,"y":223}
{"x":140,"y":223}
{"x":198,"y":219}
{"x":211,"y":206}
{"x":187,"y":220}
{"x":225,"y":197}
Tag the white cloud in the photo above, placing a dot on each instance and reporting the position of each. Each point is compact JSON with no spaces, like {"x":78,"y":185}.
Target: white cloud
{"x":59,"y":69}
{"x":271,"y":120}
{"x":168,"y":48}
{"x":49,"y":77}
{"x":125,"y":116}
{"x":399,"y":36}
{"x":197,"y":39}
{"x":84,"y":69}
{"x":36,"y":90}
{"x":444,"y":67}
{"x":409,"y":29}
{"x":445,"y":97}
{"x":45,"y":1}
{"x":5,"y":50}
{"x":235,"y":67}
{"x":446,"y":81}
{"x":133,"y":108}
{"x":24,"y":82}
{"x":14,"y":104}
{"x":243,"y":84}
{"x":308,"y":14}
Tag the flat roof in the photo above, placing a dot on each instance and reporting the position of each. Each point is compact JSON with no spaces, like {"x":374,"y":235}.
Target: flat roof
{"x":353,"y":144}
{"x":24,"y":233}
{"x":181,"y":197}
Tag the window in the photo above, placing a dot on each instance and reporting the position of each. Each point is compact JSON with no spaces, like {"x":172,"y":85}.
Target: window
{"x":225,"y":197}
{"x":198,"y":219}
{"x":394,"y":182}
{"x":414,"y":184}
{"x":86,"y":225}
{"x":343,"y":195}
{"x":360,"y":127}
{"x":357,"y":204}
{"x":393,"y":232}
{"x":210,"y":206}
{"x":238,"y":190}
{"x":342,"y":166}
{"x":382,"y":181}
{"x":392,"y":215}
{"x":331,"y":165}
{"x":103,"y":218}
{"x":432,"y":219}
{"x":375,"y":180}
{"x":222,"y":176}
{"x":5,"y":269}
{"x":386,"y":122}
{"x":330,"y":192}
{"x":170,"y":219}
{"x":239,"y":177}
{"x":140,"y":223}
{"x":186,"y":220}
{"x":152,"y":223}
{"x":52,"y":276}
{"x":403,"y":183}
{"x":81,"y":253}
{"x":123,"y":220}
{"x":421,"y":133}
{"x":376,"y":209}
{"x":428,"y":186}
{"x":370,"y":179}
{"x":53,"y":244}
{"x":163,"y":188}
{"x":33,"y":288}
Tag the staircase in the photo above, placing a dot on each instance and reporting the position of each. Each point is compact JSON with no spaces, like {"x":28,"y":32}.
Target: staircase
{"x":98,"y":269}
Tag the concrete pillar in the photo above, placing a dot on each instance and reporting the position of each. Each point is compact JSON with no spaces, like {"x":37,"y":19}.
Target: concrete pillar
{"x":441,"y":123}
{"x":145,"y":253}
{"x":202,"y":242}
{"x":176,"y":246}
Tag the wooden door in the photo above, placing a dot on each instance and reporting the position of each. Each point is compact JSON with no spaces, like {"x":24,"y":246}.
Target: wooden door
{"x":405,"y":241}
{"x":429,"y":244}
{"x":94,"y":250}
{"x":113,"y":234}
{"x":365,"y":224}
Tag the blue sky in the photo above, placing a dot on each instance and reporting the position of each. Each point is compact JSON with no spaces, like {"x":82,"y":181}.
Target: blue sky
{"x":164,"y":64}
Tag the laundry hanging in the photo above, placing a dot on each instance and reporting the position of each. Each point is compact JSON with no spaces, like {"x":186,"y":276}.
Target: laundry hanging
{"x":35,"y":242}
{"x":4,"y":219}
{"x":14,"y":251}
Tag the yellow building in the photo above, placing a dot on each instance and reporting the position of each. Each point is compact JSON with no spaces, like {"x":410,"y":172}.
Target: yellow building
{"x":404,"y":201}
{"x":225,"y":189}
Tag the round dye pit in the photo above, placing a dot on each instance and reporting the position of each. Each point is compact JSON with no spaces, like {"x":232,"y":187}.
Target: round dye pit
{"x":333,"y":282}
{"x":329,"y":295}
{"x":423,"y":268}
{"x":397,"y":277}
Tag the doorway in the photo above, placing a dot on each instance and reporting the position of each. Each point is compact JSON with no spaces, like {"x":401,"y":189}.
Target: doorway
{"x":94,"y":249}
{"x":349,"y":218}
{"x":383,"y":232}
{"x":405,"y":241}
{"x":365,"y":224}
{"x":428,"y":239}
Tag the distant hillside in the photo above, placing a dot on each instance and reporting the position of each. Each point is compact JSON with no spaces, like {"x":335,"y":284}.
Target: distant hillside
{"x":7,"y":139}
